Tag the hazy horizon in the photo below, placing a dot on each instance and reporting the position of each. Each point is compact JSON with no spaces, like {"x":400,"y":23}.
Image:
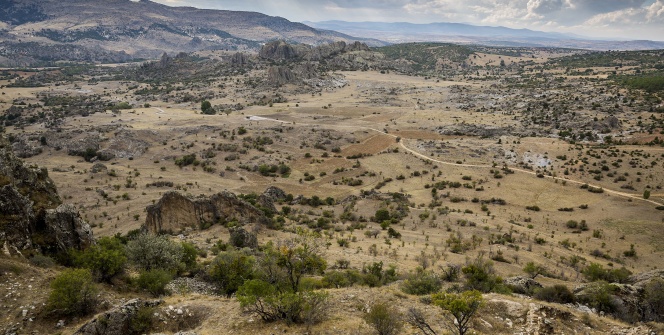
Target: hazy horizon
{"x":616,"y":19}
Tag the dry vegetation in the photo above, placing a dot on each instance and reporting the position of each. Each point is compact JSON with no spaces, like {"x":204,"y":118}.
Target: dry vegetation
{"x":541,"y":159}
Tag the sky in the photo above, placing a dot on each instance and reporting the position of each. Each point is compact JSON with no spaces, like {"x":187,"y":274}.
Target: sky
{"x":616,"y":19}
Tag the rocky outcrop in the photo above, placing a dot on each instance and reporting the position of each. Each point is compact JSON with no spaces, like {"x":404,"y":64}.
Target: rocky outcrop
{"x":241,"y":238}
{"x":521,"y":284}
{"x":281,"y":51}
{"x":126,"y":144}
{"x":117,"y":321}
{"x":66,"y":227}
{"x":175,"y":212}
{"x":239,"y":59}
{"x":280,"y":75}
{"x":31,"y":215}
{"x":638,"y":300}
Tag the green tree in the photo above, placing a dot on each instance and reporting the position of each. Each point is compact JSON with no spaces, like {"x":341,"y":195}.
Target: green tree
{"x":206,"y":107}
{"x":231,"y":269}
{"x":532,"y":269}
{"x":189,"y":254}
{"x":149,"y":252}
{"x":105,"y":259}
{"x":298,"y":257}
{"x":73,"y":292}
{"x":382,"y":215}
{"x":481,"y":276}
{"x":462,"y":308}
{"x":646,"y":194}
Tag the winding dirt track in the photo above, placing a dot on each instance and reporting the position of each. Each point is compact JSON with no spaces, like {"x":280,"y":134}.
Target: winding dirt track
{"x":412,"y":151}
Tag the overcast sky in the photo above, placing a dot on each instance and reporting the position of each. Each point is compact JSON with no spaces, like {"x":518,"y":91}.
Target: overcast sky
{"x":633,"y":19}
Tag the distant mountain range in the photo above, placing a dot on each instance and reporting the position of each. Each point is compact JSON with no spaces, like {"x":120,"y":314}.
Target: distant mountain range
{"x":42,"y":31}
{"x":402,"y":32}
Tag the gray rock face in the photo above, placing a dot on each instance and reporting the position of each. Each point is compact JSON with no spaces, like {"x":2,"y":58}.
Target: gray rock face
{"x":281,"y":51}
{"x":116,"y":321}
{"x":239,"y":59}
{"x":280,"y":75}
{"x":30,"y":217}
{"x":68,"y":228}
{"x":241,"y":238}
{"x":175,"y":212}
{"x":16,"y":219}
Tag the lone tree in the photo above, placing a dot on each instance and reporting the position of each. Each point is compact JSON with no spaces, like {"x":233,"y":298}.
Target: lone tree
{"x":461,"y":307}
{"x":206,"y":107}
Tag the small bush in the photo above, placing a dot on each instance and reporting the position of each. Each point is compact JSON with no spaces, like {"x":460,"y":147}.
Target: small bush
{"x":106,"y":259}
{"x":556,"y":293}
{"x":421,"y":283}
{"x":384,"y":319}
{"x":149,"y":252}
{"x":142,"y":322}
{"x":154,"y":281}
{"x":73,"y":292}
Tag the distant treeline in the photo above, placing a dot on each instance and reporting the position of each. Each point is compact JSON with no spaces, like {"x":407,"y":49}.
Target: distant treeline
{"x":652,"y":82}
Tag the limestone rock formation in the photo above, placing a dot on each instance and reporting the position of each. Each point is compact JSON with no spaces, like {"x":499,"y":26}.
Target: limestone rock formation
{"x":280,"y":75}
{"x":31,"y":216}
{"x":239,"y":59}
{"x":116,"y":321}
{"x":281,"y":51}
{"x":67,"y":228}
{"x":175,"y":212}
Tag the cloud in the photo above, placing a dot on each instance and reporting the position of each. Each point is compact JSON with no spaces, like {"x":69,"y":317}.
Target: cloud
{"x":541,"y":7}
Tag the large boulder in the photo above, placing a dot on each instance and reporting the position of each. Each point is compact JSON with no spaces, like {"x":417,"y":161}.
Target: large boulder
{"x":175,"y":212}
{"x":66,"y":227}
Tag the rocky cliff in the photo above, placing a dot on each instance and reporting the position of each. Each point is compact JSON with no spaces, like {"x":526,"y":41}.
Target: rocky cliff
{"x":32,"y":217}
{"x":175,"y":212}
{"x":281,"y":51}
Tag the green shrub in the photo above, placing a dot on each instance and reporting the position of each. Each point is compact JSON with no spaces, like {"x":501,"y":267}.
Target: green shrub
{"x":600,"y":295}
{"x":73,"y":292}
{"x":461,"y":308}
{"x":230,"y":270}
{"x":421,"y":282}
{"x":149,"y":252}
{"x":106,"y":259}
{"x":481,"y":276}
{"x":154,"y":281}
{"x":556,"y":293}
{"x":654,"y":298}
{"x":293,"y":307}
{"x":189,"y":254}
{"x":596,"y":272}
{"x":384,"y":319}
{"x":142,"y":321}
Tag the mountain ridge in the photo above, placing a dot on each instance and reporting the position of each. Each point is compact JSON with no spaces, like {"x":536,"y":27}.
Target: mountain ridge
{"x":402,"y":32}
{"x":143,"y":29}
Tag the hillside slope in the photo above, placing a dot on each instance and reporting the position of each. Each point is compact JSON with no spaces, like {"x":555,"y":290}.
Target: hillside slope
{"x":118,"y":30}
